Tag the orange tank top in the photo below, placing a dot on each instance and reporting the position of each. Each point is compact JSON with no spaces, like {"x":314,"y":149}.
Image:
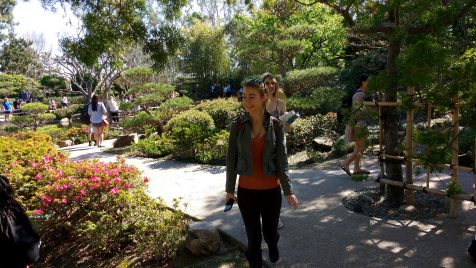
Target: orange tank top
{"x":258,"y":181}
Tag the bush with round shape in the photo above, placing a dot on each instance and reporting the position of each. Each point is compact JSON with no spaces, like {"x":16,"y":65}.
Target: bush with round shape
{"x":223,"y":111}
{"x":188,"y":130}
{"x":303,"y":131}
{"x":213,"y":150}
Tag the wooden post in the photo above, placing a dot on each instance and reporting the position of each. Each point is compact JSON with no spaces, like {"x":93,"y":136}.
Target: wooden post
{"x":409,"y":144}
{"x":380,"y":141}
{"x":454,"y":152}
{"x":428,"y":169}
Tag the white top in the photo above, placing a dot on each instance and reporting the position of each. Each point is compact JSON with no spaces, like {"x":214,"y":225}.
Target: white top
{"x":64,"y":99}
{"x":112,"y":105}
{"x":96,"y":116}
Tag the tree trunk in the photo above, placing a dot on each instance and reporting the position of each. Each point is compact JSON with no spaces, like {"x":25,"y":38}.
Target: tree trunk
{"x":394,"y":195}
{"x":281,"y":64}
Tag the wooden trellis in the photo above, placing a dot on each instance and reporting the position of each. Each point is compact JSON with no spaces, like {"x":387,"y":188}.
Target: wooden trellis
{"x":409,"y":159}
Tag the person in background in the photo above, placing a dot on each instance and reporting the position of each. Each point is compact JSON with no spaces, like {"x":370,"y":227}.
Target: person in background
{"x":64,"y":101}
{"x":356,"y":129}
{"x":113,"y":108}
{"x":16,"y":104}
{"x":257,"y":152}
{"x":97,"y":111}
{"x":52,"y":104}
{"x":7,"y":108}
{"x":276,"y":105}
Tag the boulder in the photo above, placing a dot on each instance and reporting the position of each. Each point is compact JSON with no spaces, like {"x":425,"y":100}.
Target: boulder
{"x":65,"y":143}
{"x":64,"y":122}
{"x":204,"y":239}
{"x":125,"y":140}
{"x":322,"y":144}
{"x":407,"y":209}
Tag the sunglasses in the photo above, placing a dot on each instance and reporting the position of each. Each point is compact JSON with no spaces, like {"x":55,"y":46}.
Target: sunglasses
{"x":253,"y":82}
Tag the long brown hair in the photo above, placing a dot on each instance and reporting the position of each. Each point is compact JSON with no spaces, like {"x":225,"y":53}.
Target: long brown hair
{"x":257,"y":83}
{"x":278,"y":92}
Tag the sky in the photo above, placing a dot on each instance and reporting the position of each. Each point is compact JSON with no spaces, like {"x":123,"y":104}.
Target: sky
{"x":33,"y":19}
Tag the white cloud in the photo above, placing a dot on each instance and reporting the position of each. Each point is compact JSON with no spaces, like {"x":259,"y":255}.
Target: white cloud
{"x":33,"y":19}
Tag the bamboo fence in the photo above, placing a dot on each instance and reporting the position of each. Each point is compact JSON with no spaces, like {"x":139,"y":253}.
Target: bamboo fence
{"x":408,"y":159}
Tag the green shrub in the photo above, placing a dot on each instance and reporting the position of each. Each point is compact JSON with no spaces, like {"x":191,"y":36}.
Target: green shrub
{"x":341,"y":147}
{"x":188,"y":130}
{"x":172,"y":107}
{"x":153,"y":146}
{"x":303,"y":131}
{"x":214,"y":149}
{"x":303,"y":81}
{"x":77,"y":134}
{"x":140,"y":122}
{"x":68,"y":112}
{"x":223,"y":111}
{"x":56,"y":132}
{"x":320,"y":101}
{"x":12,"y":129}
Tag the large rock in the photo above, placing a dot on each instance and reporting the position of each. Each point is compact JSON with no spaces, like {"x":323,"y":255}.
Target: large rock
{"x":125,"y":140}
{"x":204,"y":239}
{"x":65,"y":143}
{"x":407,"y":209}
{"x":64,"y":122}
{"x":322,"y":144}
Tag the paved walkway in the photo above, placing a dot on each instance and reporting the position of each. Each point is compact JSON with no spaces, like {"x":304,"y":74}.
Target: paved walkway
{"x":321,"y":233}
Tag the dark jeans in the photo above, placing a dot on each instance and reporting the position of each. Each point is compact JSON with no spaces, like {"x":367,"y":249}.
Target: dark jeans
{"x":115,"y":116}
{"x":256,"y":204}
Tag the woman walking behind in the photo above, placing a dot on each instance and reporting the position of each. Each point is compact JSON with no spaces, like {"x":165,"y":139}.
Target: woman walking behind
{"x":257,"y":153}
{"x":356,"y":130}
{"x":276,"y":104}
{"x":97,"y":111}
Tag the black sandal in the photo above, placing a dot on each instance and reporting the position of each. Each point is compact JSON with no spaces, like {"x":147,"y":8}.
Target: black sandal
{"x":346,"y":170}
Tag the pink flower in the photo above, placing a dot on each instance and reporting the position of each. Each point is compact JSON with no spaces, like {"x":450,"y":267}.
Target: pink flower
{"x":64,"y":201}
{"x":94,"y":186}
{"x":114,"y":190}
{"x":146,"y":180}
{"x":128,"y":185}
{"x":77,"y":198}
{"x":105,"y":183}
{"x":94,"y":178}
{"x":117,"y":179}
{"x":34,"y":164}
{"x":46,"y":158}
{"x":47,"y":198}
{"x":82,"y":191}
{"x":38,"y":176}
{"x":37,"y":211}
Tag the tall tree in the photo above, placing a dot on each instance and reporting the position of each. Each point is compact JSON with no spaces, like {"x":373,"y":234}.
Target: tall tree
{"x":286,"y":35}
{"x":398,"y":23}
{"x":113,"y":26}
{"x":18,"y":57}
{"x":6,"y":17}
{"x":205,"y":55}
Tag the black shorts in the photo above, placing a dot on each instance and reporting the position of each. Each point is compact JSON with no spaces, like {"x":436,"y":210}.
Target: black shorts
{"x":8,"y":112}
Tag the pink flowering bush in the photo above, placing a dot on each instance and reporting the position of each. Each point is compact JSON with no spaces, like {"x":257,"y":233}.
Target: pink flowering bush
{"x":21,"y":156}
{"x":99,"y":206}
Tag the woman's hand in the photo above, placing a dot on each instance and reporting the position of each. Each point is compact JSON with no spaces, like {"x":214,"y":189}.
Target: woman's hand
{"x":292,"y":199}
{"x":229,"y":196}
{"x":287,"y":127}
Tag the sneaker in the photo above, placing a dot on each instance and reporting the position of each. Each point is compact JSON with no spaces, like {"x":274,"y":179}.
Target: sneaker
{"x":90,"y":143}
{"x":280,"y":224}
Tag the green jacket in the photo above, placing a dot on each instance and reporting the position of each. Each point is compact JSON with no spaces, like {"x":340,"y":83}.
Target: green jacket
{"x":239,"y":157}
